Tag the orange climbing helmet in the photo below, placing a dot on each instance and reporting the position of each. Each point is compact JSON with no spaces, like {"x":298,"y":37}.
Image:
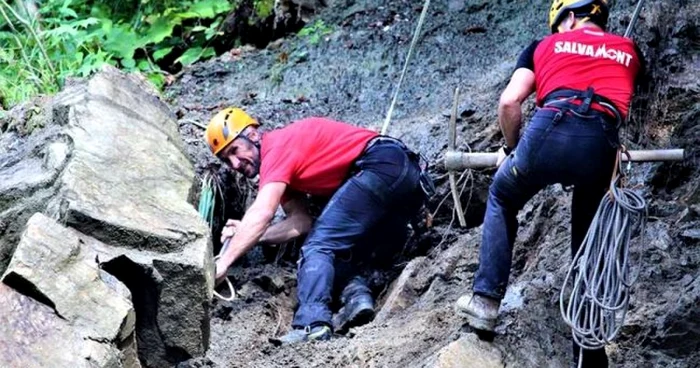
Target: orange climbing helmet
{"x":226,"y":126}
{"x":596,"y":10}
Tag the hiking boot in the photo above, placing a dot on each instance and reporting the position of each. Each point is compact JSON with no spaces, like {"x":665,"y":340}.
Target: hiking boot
{"x":298,"y":335}
{"x":480,"y":311}
{"x":357,"y":311}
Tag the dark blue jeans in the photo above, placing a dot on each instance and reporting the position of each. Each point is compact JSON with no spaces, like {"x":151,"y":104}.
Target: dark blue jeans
{"x":381,"y":197}
{"x":570,"y":149}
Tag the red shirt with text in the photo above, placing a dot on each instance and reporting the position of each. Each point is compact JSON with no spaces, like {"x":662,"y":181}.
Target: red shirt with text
{"x":587,"y":58}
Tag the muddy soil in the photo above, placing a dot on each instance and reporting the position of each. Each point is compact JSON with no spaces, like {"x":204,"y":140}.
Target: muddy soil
{"x":350,"y":73}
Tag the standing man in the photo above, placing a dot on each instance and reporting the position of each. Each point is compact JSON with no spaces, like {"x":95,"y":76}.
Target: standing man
{"x":584,"y":79}
{"x":374,"y":185}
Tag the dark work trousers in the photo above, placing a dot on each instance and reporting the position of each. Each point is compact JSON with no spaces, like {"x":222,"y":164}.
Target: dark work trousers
{"x":380,"y":197}
{"x":569,"y":148}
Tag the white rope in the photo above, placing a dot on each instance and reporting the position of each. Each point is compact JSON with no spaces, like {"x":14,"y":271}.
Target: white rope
{"x":228,"y":282}
{"x":385,"y":127}
{"x":600,"y":274}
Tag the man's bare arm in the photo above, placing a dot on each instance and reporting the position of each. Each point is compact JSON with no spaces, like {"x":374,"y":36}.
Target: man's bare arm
{"x":297,"y":223}
{"x":254,"y":223}
{"x":521,"y":85}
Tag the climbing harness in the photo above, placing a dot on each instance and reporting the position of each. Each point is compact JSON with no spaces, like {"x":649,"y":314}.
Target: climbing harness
{"x":228,"y":282}
{"x":562,"y":97}
{"x":405,"y":66}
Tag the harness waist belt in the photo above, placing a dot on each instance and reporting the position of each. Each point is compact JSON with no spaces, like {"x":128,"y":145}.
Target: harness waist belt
{"x":588,"y":97}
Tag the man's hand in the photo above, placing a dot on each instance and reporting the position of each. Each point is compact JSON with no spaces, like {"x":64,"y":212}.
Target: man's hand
{"x":251,"y":227}
{"x":229,"y":229}
{"x":501,"y":157}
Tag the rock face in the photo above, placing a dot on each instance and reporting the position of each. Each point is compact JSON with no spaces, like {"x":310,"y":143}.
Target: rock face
{"x":110,"y":166}
{"x":72,"y":307}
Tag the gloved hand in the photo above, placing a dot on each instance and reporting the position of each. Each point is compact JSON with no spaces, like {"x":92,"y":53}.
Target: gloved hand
{"x":501,"y":157}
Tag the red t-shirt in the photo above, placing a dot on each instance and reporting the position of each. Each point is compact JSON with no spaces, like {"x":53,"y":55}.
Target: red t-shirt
{"x":311,"y":155}
{"x":587,"y":58}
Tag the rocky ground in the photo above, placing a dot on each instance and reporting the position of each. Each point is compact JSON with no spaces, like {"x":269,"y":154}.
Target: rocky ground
{"x":347,"y":69}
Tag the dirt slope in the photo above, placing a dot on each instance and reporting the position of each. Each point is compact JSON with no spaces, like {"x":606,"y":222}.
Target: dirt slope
{"x":349,"y":74}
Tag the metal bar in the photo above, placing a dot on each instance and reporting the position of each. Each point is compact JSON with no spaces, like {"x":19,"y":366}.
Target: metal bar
{"x":455,"y":160}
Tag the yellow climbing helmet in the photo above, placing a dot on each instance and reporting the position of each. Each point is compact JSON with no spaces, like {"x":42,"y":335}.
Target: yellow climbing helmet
{"x":225,"y":126}
{"x":597,"y":9}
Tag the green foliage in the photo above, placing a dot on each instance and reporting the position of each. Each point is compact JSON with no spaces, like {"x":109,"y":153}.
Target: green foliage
{"x":263,"y":8}
{"x":315,"y":31}
{"x":68,"y":38}
{"x":207,"y":199}
{"x":209,"y":195}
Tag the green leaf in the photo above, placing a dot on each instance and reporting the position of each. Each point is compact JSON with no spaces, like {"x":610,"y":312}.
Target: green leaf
{"x":85,"y":23}
{"x":209,"y":8}
{"x":157,"y":79}
{"x":207,"y":53}
{"x":122,"y":42}
{"x":128,"y":63}
{"x":160,"y":29}
{"x":188,"y":15}
{"x":161,"y":53}
{"x":190,"y":56}
{"x":64,"y":29}
{"x":106,"y":25}
{"x":263,"y":8}
{"x":143,"y":65}
{"x":68,"y":12}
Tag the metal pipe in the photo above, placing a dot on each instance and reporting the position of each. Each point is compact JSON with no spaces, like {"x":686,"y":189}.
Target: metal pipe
{"x":455,"y":160}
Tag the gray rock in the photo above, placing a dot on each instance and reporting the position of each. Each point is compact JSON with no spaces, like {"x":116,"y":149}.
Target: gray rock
{"x":92,"y":321}
{"x":467,"y":352}
{"x":109,"y":164}
{"x":401,"y":294}
{"x":658,"y":235}
{"x":52,"y":261}
{"x":32,"y":335}
{"x":692,"y":234}
{"x":27,"y":174}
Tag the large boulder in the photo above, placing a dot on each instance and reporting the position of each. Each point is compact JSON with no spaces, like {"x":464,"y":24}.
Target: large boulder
{"x":91,"y":320}
{"x":109,"y":164}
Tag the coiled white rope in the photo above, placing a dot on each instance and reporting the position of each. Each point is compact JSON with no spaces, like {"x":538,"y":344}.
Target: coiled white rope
{"x":600,"y":274}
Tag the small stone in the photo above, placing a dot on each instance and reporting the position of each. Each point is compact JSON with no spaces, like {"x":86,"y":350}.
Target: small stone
{"x":658,"y":235}
{"x":693,"y":234}
{"x":468,"y":351}
{"x":687,"y":280}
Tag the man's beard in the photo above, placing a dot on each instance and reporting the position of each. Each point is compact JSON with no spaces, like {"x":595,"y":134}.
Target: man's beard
{"x":252,"y":169}
{"x":251,"y":172}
